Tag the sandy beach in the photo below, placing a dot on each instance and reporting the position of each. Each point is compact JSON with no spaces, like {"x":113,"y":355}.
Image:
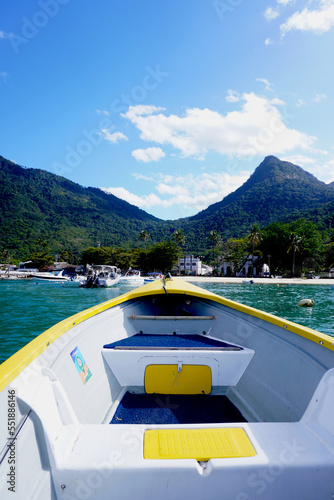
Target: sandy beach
{"x":262,"y":281}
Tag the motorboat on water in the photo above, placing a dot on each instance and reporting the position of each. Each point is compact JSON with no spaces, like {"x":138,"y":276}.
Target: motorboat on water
{"x":108,"y":276}
{"x":132,"y":278}
{"x":151,"y":277}
{"x":101,"y":276}
{"x":169,"y":391}
{"x":56,"y":276}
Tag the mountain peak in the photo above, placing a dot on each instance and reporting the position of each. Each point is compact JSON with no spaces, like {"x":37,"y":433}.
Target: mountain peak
{"x":275,"y":189}
{"x":277,"y":170}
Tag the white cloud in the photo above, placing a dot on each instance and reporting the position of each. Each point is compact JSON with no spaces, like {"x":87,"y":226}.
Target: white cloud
{"x":4,"y":35}
{"x":141,"y":110}
{"x":300,"y":160}
{"x":271,"y":13}
{"x":277,"y":102}
{"x":265,"y":82}
{"x":316,"y":100}
{"x":284,"y":2}
{"x":149,"y":154}
{"x":257,"y":129}
{"x":4,"y":76}
{"x":190,"y":192}
{"x":102,"y":112}
{"x":146,"y":201}
{"x":113,"y":137}
{"x":300,"y":103}
{"x":232,"y":96}
{"x":319,"y":98}
{"x":322,"y":171}
{"x":317,"y":21}
{"x":268,"y":41}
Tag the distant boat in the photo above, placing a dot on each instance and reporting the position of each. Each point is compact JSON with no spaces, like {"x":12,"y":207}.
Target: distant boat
{"x":108,"y":276}
{"x":169,"y":392}
{"x":101,"y":276}
{"x":248,"y":282}
{"x":132,"y":277}
{"x":152,"y":277}
{"x":55,"y":276}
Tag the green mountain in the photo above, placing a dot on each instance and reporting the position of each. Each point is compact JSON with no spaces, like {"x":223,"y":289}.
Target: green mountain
{"x":276,"y":191}
{"x":37,"y":206}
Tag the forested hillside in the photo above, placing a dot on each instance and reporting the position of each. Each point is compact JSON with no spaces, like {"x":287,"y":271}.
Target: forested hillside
{"x":38,"y":208}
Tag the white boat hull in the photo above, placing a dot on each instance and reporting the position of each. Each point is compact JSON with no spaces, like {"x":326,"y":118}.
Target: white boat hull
{"x":109,"y":282}
{"x":132,"y":281}
{"x":51,"y":278}
{"x":66,"y":389}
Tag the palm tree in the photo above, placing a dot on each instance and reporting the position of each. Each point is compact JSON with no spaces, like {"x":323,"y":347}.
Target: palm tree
{"x":255,"y":237}
{"x":215,"y":238}
{"x":178,"y":237}
{"x":295,"y":241}
{"x":144,"y":235}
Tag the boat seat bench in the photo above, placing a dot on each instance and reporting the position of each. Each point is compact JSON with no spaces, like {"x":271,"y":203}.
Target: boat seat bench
{"x":130,"y":360}
{"x":255,"y":449}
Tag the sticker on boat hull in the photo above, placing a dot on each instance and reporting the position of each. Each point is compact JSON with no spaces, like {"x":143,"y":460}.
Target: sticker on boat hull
{"x":81,"y":365}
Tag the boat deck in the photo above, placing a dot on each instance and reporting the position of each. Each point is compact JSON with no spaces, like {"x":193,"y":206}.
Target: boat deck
{"x":175,"y":409}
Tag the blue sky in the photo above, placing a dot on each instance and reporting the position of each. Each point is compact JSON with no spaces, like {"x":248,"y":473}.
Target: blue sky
{"x":170,"y":105}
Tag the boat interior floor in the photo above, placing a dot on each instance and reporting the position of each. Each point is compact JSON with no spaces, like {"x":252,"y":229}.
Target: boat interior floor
{"x":177,"y":374}
{"x":175,"y":409}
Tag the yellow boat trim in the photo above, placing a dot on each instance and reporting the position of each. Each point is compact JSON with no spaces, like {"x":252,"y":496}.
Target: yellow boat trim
{"x":200,"y":444}
{"x":174,"y":379}
{"x":13,"y":366}
{"x":179,"y":286}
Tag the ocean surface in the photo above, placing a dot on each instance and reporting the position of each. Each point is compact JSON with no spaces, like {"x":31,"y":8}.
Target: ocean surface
{"x":28,"y":308}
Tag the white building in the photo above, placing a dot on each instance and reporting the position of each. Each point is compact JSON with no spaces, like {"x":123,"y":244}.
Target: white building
{"x":192,"y":265}
{"x":249,"y":268}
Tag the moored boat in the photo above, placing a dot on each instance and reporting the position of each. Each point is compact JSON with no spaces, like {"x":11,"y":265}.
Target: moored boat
{"x":107,"y":276}
{"x":56,"y":276}
{"x":169,"y":391}
{"x":132,"y":278}
{"x":152,"y":277}
{"x":101,"y":276}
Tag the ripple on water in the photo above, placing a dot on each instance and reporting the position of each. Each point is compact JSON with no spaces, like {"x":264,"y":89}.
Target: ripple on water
{"x":28,"y":309}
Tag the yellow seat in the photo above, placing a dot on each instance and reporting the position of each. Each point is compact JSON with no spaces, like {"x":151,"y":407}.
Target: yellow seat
{"x":200,"y":444}
{"x":178,"y":379}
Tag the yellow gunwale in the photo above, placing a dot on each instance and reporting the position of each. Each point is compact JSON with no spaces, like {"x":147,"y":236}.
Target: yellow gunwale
{"x":14,"y":365}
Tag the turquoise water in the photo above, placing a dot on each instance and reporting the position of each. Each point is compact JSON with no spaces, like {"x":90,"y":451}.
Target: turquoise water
{"x":28,"y":308}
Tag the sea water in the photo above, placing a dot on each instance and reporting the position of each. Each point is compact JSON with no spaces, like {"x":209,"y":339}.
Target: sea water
{"x":28,"y":308}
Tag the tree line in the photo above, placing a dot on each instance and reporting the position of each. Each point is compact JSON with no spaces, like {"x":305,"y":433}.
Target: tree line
{"x":290,"y":249}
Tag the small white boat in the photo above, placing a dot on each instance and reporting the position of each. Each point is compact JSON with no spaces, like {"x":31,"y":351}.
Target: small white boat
{"x":132,"y":278}
{"x":55,"y":276}
{"x":101,"y":276}
{"x":169,"y":391}
{"x":108,"y":276}
{"x":152,"y":277}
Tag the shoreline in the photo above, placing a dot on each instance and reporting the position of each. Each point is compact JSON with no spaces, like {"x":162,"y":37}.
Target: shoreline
{"x":262,"y":281}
